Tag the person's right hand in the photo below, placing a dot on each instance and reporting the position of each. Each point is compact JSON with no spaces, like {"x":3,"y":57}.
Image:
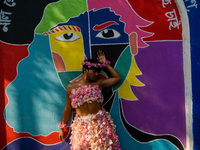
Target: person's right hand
{"x":61,"y":135}
{"x":101,"y":57}
{"x":64,"y":133}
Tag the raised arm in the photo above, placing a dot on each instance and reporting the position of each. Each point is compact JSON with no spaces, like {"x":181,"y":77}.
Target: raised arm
{"x":115,"y":77}
{"x":66,"y":113}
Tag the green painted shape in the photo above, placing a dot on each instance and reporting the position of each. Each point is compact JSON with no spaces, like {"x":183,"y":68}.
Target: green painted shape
{"x":103,"y":73}
{"x":60,"y":12}
{"x":66,"y":77}
{"x":123,"y":66}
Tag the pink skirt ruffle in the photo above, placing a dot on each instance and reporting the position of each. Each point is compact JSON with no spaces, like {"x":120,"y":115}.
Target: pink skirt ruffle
{"x":94,"y":132}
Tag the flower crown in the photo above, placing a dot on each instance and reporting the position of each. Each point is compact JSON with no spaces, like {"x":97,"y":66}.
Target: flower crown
{"x":96,"y":65}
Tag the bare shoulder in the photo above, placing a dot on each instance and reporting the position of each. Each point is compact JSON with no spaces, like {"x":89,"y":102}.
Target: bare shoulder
{"x":70,"y":86}
{"x":73,"y":86}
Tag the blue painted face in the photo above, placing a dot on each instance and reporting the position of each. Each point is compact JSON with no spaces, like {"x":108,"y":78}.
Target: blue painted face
{"x":101,"y":33}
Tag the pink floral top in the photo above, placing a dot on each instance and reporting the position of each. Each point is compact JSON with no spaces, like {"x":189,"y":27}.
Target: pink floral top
{"x":86,"y":93}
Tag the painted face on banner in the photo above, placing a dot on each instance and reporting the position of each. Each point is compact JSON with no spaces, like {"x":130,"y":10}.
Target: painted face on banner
{"x":80,"y":38}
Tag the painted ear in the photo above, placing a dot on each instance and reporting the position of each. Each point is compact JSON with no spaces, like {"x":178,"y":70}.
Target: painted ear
{"x":133,"y":39}
{"x":59,"y":62}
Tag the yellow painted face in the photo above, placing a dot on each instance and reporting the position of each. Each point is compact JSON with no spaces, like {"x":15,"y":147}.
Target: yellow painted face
{"x":69,"y":45}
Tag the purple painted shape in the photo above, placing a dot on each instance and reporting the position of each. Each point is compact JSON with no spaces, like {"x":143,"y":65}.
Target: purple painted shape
{"x":27,"y":143}
{"x":160,"y":108}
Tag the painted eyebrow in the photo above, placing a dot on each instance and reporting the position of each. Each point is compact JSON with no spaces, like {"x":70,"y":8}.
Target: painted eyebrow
{"x":104,"y":25}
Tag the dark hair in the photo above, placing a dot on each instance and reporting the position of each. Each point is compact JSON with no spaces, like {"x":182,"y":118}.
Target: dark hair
{"x":98,"y":69}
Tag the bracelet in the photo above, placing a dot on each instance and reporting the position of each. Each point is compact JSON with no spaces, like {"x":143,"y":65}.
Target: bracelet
{"x":106,"y":63}
{"x":62,"y":126}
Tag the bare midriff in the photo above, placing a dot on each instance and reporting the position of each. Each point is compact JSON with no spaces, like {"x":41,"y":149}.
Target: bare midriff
{"x":88,"y":108}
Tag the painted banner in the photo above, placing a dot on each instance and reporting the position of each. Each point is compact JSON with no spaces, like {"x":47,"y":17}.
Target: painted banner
{"x":193,"y":11}
{"x":43,"y":44}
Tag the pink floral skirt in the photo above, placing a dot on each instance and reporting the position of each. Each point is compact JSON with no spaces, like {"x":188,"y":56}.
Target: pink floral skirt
{"x":94,"y":132}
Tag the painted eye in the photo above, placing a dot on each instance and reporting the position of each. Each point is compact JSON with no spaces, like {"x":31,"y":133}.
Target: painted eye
{"x":108,"y":34}
{"x":68,"y":37}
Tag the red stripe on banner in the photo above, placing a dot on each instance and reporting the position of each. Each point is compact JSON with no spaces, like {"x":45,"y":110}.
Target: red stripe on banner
{"x":69,"y":27}
{"x":74,"y":28}
{"x":79,"y":30}
{"x":65,"y":28}
{"x":60,"y":28}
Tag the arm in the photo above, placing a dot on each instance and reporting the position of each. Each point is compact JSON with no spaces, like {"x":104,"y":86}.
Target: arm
{"x":66,"y":113}
{"x":115,"y":77}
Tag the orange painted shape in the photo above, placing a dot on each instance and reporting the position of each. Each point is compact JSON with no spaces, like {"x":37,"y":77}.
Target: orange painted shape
{"x":133,"y":43}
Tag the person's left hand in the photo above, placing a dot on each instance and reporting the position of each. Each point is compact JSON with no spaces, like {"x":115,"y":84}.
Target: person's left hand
{"x":101,"y":57}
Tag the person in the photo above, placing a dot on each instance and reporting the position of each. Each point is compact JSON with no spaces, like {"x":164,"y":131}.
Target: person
{"x":92,"y":127}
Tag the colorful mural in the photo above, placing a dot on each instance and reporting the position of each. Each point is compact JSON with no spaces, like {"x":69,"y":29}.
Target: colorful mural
{"x":43,"y":44}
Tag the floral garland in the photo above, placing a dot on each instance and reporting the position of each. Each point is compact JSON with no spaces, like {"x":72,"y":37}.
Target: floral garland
{"x":96,"y":65}
{"x":86,"y":93}
{"x":87,"y":129}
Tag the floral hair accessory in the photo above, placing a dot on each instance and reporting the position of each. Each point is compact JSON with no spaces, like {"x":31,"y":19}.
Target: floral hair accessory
{"x":95,"y":65}
{"x":63,"y":126}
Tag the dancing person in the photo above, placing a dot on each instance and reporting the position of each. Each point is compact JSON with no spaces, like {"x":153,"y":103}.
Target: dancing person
{"x":92,"y":127}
